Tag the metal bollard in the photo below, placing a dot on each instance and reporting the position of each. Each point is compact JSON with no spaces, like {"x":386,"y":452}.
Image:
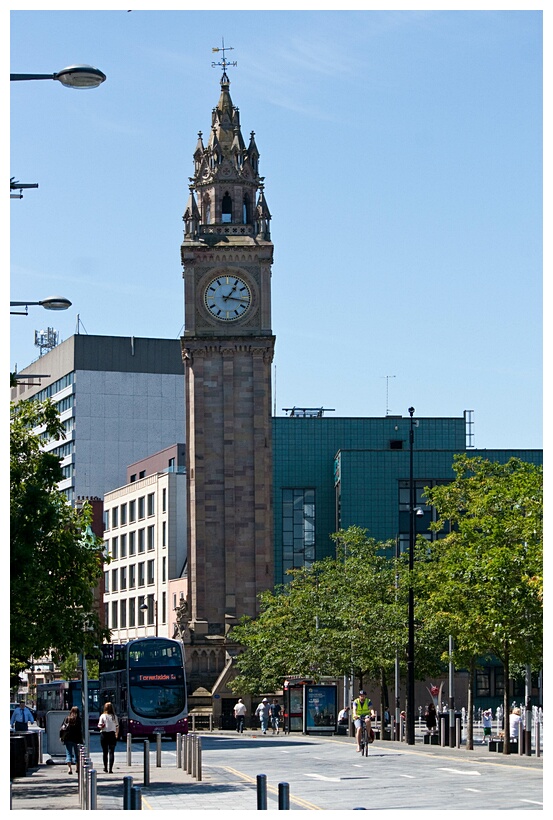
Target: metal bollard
{"x":211,"y":723}
{"x":261,"y":791}
{"x":129,"y":750}
{"x":199,"y":760}
{"x":158,"y":750}
{"x":179,"y":750}
{"x":93,"y":800}
{"x":84,"y":793}
{"x":184,"y":751}
{"x":136,"y":798}
{"x":127,"y":789}
{"x":189,"y":746}
{"x":194,"y":755}
{"x":537,"y":735}
{"x":458,"y":732}
{"x":283,"y":796}
{"x":146,"y":763}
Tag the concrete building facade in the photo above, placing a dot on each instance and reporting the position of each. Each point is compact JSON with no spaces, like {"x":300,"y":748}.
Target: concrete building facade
{"x":120,"y":399}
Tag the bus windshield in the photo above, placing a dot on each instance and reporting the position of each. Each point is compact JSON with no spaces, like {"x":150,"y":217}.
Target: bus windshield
{"x":156,"y":679}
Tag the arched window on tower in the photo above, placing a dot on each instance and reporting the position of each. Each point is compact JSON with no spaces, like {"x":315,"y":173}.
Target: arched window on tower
{"x":226,"y":209}
{"x":246,"y":210}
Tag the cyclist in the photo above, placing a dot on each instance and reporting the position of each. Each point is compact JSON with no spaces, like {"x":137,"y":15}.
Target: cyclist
{"x":362,"y":711}
{"x":274,"y":714}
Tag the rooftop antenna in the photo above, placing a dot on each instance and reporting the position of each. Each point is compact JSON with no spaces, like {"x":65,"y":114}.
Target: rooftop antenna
{"x":387,"y":385}
{"x":224,"y":63}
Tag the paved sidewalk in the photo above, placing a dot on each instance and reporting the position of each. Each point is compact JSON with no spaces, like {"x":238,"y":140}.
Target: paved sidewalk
{"x":50,"y":787}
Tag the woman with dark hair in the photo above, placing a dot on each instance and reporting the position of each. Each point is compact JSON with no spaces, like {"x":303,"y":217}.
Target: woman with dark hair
{"x":71,"y":734}
{"x":430,"y":718}
{"x":109,"y":732}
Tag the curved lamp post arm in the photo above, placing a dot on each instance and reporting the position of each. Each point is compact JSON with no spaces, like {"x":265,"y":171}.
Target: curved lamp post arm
{"x":75,"y":76}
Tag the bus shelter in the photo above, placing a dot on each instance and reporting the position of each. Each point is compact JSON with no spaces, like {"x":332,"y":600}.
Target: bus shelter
{"x":310,"y":707}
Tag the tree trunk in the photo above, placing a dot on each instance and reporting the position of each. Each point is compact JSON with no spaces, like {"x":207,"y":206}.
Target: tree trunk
{"x":470,"y":701}
{"x":506,"y":703}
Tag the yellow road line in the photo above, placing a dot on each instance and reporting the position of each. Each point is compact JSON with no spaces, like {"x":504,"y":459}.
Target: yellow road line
{"x":298,"y":800}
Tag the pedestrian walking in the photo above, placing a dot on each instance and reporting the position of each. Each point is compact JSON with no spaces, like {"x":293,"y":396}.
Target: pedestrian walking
{"x":431,"y":719}
{"x":71,"y":735}
{"x":487,"y":725}
{"x":21,"y":717}
{"x":109,"y":732}
{"x":274,"y":714}
{"x":240,"y":714}
{"x":514,"y":723}
{"x":262,"y":712}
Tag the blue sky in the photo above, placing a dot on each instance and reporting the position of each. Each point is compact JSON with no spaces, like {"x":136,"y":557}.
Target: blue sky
{"x":402,"y":155}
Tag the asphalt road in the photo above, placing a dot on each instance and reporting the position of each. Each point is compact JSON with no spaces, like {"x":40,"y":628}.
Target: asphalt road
{"x":327,"y":773}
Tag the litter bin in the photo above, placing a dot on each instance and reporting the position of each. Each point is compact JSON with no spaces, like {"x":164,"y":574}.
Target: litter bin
{"x":31,"y":743}
{"x":18,"y":756}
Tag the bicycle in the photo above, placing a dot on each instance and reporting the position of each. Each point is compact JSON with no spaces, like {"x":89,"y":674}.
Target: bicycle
{"x":367,"y":737}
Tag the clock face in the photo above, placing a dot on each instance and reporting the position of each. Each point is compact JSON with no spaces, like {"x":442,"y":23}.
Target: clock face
{"x":227,"y":298}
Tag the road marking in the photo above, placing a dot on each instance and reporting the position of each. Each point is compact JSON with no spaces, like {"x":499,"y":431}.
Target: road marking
{"x":324,"y":777}
{"x":409,"y":776}
{"x":459,"y":771}
{"x":535,"y":802}
{"x":303,"y":803}
{"x":478,"y":791}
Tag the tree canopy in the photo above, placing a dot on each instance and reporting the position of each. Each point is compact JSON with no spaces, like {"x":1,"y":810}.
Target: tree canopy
{"x":55,"y":559}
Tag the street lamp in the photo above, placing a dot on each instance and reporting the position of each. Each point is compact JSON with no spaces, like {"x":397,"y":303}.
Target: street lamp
{"x":75,"y":76}
{"x":51,"y":303}
{"x":410,"y":717}
{"x":145,"y":608}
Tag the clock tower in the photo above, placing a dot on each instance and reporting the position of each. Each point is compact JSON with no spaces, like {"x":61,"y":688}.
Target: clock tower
{"x":227,"y":349}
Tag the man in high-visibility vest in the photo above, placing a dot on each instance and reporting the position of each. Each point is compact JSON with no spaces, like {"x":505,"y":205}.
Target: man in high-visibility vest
{"x":362,"y":711}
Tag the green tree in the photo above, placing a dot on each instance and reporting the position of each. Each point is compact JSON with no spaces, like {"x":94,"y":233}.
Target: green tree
{"x":343,"y":614}
{"x":484,"y":581}
{"x":55,"y":559}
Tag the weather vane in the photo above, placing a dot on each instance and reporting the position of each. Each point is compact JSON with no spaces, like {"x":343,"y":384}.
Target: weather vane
{"x":224,"y":63}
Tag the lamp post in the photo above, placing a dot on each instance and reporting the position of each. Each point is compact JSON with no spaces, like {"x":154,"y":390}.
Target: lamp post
{"x":145,"y":608}
{"x":75,"y":76}
{"x":51,"y":303}
{"x":410,"y":717}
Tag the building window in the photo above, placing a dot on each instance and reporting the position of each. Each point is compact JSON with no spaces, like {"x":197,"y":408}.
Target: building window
{"x":123,"y":614}
{"x":114,"y":576}
{"x":132,"y":543}
{"x":132,"y":621}
{"x":150,"y":611}
{"x":141,"y":540}
{"x":164,"y":500}
{"x":396,"y":444}
{"x":164,"y":533}
{"x":151,"y":537}
{"x":123,"y":578}
{"x":114,"y":545}
{"x":150,"y":569}
{"x":132,"y":511}
{"x":140,"y":610}
{"x":114,"y":607}
{"x":163,"y":607}
{"x":171,"y":465}
{"x":151,"y":503}
{"x":114,"y":518}
{"x":106,"y":519}
{"x":141,"y":574}
{"x":132,"y":576}
{"x":123,"y":514}
{"x":123,"y":545}
{"x":106,"y":581}
{"x":164,"y":569}
{"x":141,"y":501}
{"x":142,"y":474}
{"x":298,"y":528}
{"x":133,"y":479}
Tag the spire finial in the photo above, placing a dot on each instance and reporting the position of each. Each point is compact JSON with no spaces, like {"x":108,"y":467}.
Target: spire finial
{"x":224,"y":63}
